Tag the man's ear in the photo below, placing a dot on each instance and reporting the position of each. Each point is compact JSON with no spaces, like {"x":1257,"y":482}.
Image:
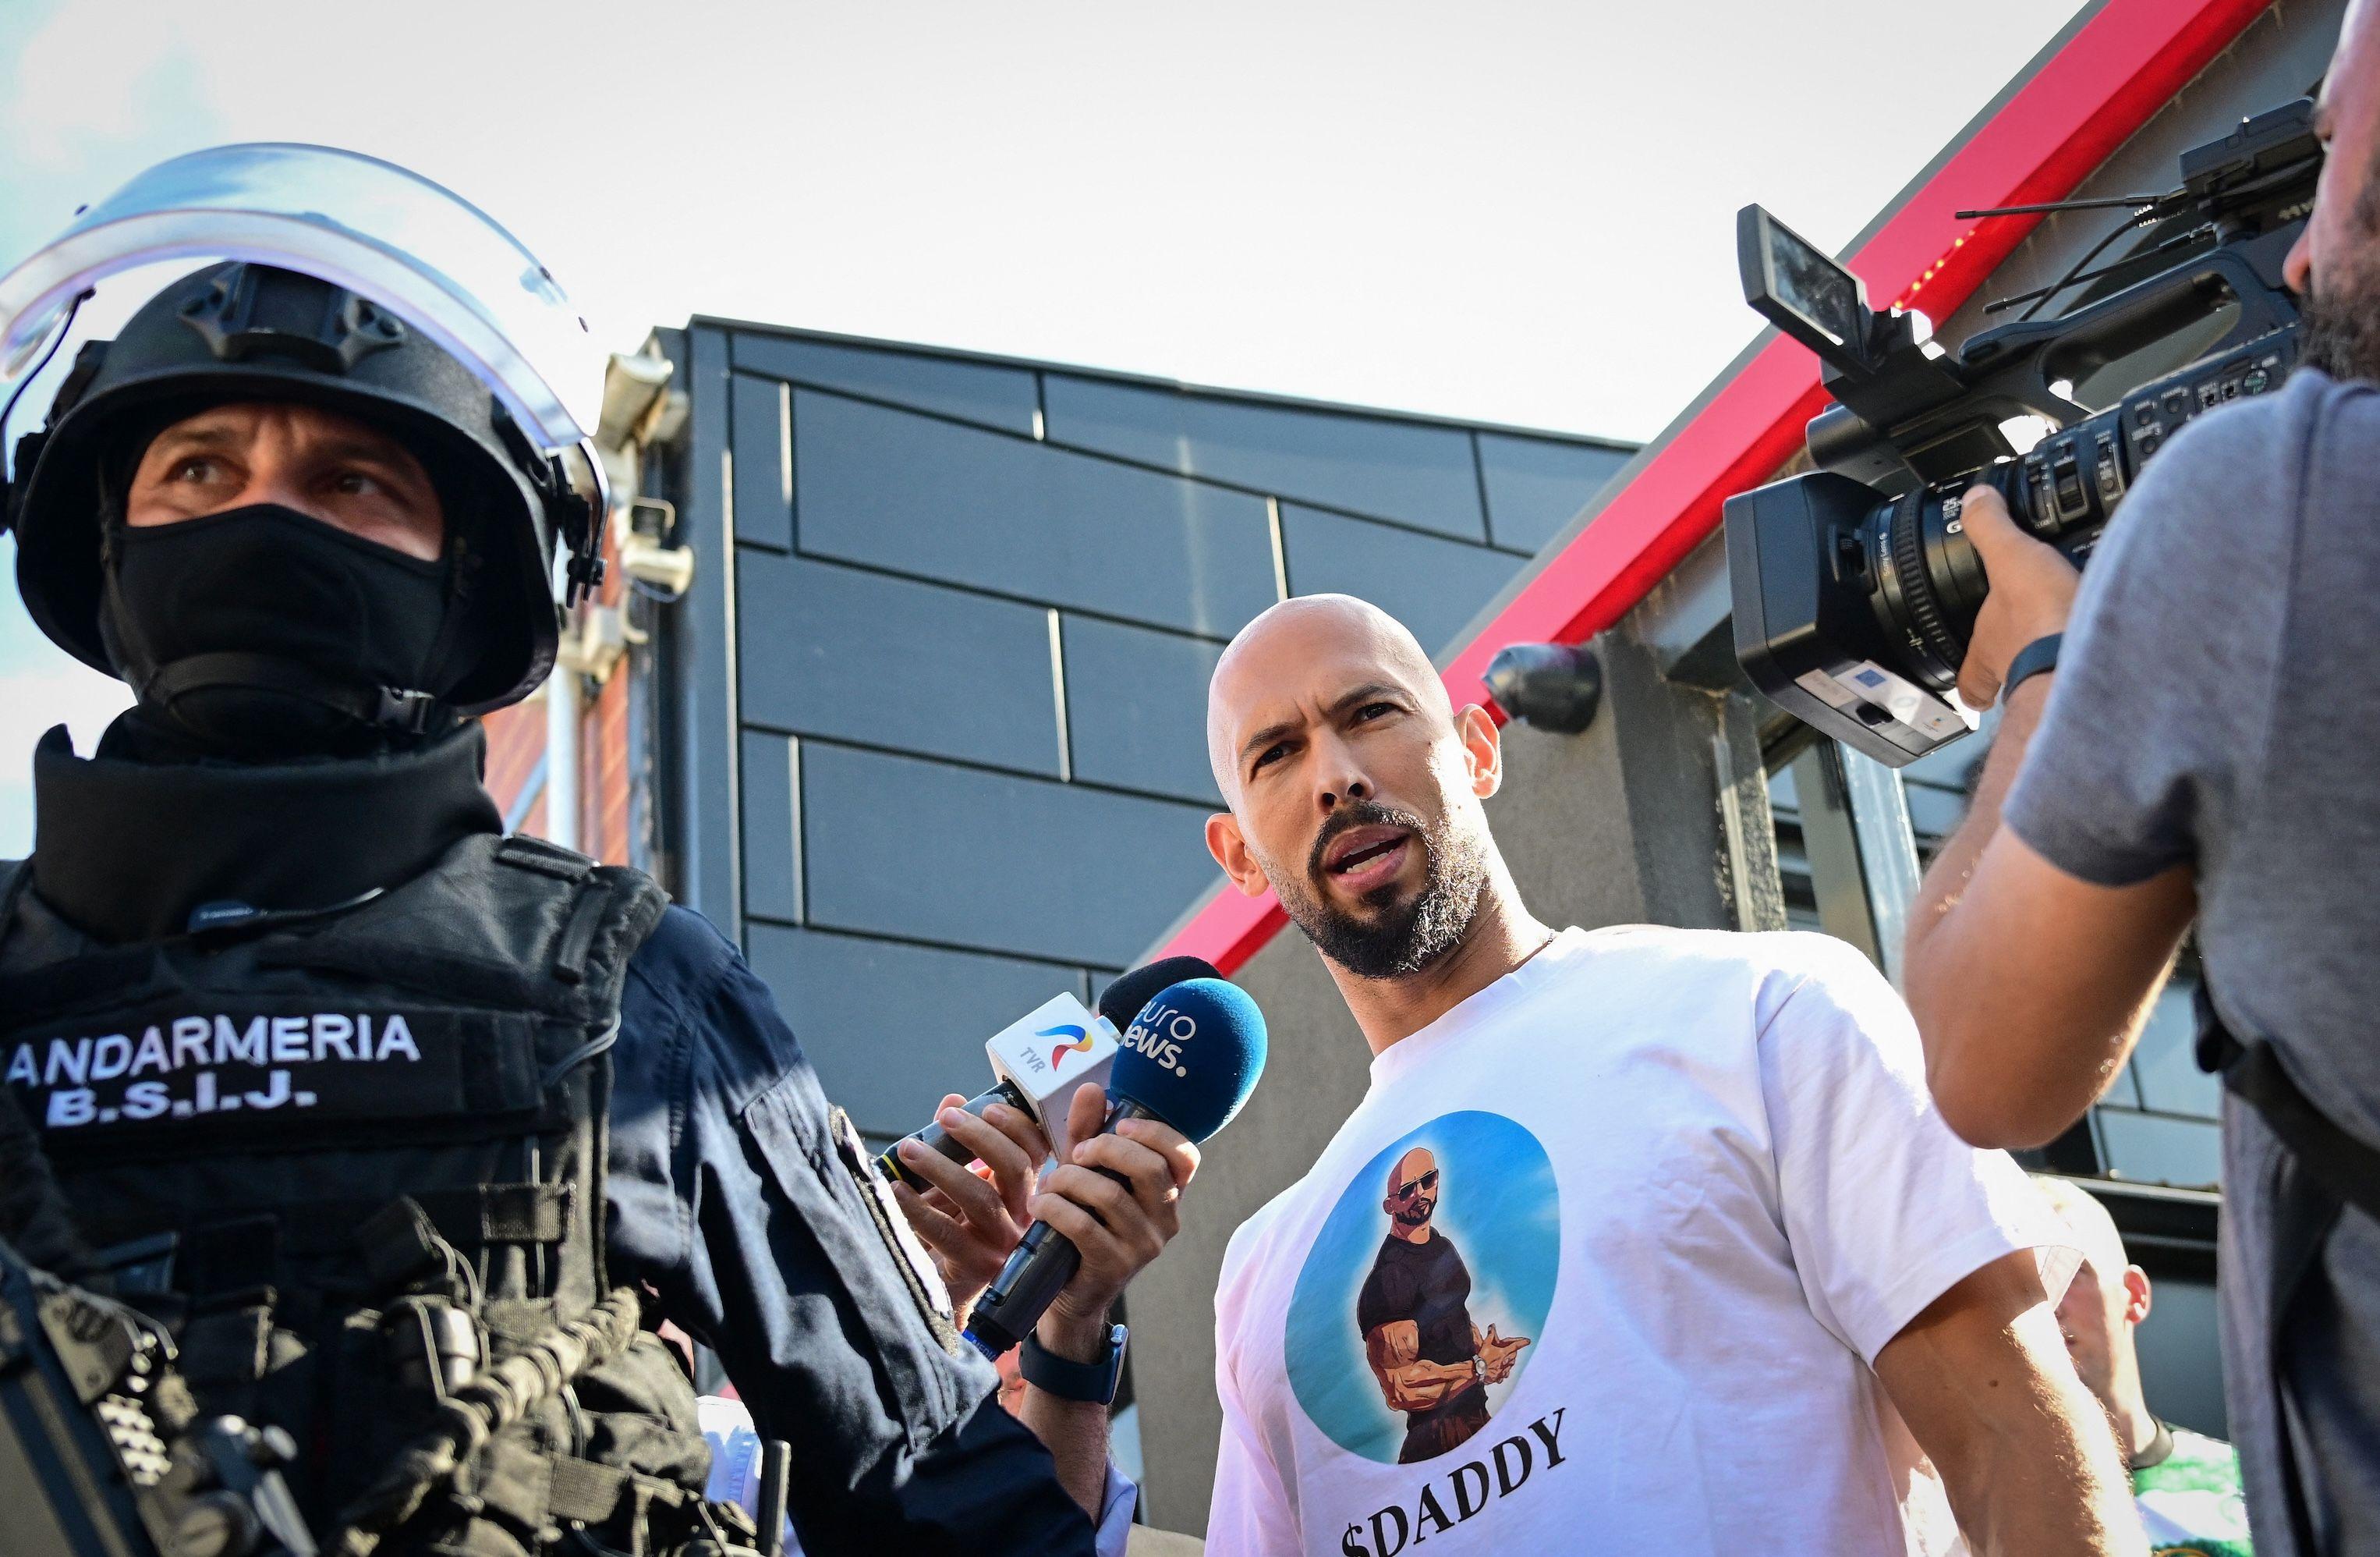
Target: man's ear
{"x":1483,"y":750}
{"x":1232,"y":852}
{"x":2136,"y":1294}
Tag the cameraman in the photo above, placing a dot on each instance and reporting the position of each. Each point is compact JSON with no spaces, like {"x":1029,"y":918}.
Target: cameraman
{"x":2209,"y":745}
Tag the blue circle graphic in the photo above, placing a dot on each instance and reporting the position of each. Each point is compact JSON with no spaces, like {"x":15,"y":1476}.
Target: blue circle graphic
{"x":1497,"y":1206}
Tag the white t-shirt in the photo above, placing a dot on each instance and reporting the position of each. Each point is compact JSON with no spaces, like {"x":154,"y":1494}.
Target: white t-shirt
{"x":1700,"y":1174}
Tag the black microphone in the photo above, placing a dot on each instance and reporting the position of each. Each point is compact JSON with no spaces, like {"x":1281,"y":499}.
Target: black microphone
{"x":1131,"y":992}
{"x":1189,"y":1060}
{"x":1040,"y":1058}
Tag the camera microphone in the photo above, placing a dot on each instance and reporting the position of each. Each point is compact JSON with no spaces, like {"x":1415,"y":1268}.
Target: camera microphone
{"x":1041,"y":1058}
{"x":1189,"y":1060}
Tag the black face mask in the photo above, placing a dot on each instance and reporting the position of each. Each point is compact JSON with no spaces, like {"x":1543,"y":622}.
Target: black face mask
{"x":262,"y":633}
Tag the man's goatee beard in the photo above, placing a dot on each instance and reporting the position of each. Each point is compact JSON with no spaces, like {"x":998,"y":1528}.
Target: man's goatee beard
{"x":1403,"y":941}
{"x":2340,"y":333}
{"x":2338,"y":328}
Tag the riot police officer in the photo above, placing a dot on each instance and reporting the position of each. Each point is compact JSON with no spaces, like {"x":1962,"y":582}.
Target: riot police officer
{"x":361,"y":1097}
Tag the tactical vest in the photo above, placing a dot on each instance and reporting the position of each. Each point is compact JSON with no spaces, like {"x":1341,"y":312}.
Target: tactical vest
{"x":355,"y":1163}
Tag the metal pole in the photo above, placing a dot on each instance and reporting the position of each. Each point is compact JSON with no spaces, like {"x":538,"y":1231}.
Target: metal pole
{"x":1887,"y":849}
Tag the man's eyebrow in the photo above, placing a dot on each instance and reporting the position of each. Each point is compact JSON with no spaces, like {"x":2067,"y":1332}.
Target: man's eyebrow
{"x":1272,"y":732}
{"x":1265,"y":737}
{"x":1369,"y":689}
{"x":201,"y":437}
{"x":377,"y":451}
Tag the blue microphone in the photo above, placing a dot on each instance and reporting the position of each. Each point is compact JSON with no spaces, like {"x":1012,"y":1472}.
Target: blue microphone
{"x":1189,"y":1060}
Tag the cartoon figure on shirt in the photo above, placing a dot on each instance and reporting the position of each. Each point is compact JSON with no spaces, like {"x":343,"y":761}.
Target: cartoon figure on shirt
{"x":1430,"y":1361}
{"x":1425,"y":1298}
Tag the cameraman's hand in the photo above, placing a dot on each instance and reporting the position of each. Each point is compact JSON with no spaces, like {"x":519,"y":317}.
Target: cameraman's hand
{"x":970,"y":1220}
{"x":1119,"y":1228}
{"x":2032,"y":594}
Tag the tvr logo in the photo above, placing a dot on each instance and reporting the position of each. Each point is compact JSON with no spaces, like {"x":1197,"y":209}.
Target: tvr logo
{"x":1079,"y":1042}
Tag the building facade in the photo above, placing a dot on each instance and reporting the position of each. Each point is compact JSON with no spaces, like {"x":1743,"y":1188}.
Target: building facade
{"x":939,"y":685}
{"x":924,"y":734}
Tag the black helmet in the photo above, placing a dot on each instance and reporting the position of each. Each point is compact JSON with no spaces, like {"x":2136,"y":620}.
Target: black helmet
{"x":251,"y":332}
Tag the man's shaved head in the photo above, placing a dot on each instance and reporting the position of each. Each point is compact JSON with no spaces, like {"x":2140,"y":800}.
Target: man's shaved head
{"x":1410,"y":1167}
{"x":1355,"y":786}
{"x":1288,"y":634}
{"x":1412,"y":1197}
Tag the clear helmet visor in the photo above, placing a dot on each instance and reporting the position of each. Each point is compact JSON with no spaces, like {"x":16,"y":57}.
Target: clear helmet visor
{"x":411,"y":246}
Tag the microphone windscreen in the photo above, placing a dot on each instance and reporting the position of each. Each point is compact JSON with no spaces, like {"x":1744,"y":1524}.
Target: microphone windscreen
{"x":1122,"y":1000}
{"x":1191,"y":1057}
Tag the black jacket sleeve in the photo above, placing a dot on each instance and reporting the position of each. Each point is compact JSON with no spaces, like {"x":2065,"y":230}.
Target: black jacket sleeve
{"x":727,"y":1197}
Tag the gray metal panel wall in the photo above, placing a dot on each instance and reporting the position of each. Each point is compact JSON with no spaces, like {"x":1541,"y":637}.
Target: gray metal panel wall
{"x":944,"y":669}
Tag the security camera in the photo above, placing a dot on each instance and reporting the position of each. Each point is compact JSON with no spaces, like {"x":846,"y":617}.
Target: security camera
{"x":649,"y":553}
{"x":1554,"y":687}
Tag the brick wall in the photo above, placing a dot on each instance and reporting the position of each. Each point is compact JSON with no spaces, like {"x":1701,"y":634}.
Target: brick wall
{"x":517,"y":756}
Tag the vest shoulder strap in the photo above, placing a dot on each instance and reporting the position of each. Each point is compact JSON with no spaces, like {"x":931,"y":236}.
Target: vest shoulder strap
{"x":515,"y":921}
{"x":2347,"y":1168}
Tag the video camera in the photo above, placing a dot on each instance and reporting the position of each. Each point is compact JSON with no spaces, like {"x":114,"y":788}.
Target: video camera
{"x":1856,"y":590}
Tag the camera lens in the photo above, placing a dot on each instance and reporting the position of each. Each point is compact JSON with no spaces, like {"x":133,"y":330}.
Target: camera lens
{"x":1934,"y":584}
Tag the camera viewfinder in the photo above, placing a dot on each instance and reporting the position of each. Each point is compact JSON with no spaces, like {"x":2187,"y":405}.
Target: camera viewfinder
{"x":1801,"y":291}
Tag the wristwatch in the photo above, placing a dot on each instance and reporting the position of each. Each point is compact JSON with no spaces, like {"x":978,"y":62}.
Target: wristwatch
{"x":1094,"y":1382}
{"x":2039,"y":655}
{"x":1479,"y":1369}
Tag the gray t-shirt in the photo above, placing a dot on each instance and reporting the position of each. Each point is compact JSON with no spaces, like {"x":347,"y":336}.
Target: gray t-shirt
{"x":2217,"y":704}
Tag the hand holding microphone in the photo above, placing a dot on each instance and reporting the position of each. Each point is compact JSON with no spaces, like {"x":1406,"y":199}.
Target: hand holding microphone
{"x":1117,"y":1200}
{"x":1034,"y":1077}
{"x":1188,"y":1063}
{"x":971,"y":1219}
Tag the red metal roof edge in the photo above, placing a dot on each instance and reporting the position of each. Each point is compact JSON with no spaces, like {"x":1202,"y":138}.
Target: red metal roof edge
{"x":2081,"y":105}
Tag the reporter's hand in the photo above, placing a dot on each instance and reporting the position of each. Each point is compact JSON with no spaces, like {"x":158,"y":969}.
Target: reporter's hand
{"x":970,"y":1220}
{"x":1118,"y":1228}
{"x":2032,"y":594}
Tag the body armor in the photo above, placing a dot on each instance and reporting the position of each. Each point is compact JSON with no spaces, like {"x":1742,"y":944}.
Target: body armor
{"x":353,"y":1160}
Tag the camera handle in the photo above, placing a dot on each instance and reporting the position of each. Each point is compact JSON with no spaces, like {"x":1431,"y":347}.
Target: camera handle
{"x":2021,"y":360}
{"x":2008,"y":371}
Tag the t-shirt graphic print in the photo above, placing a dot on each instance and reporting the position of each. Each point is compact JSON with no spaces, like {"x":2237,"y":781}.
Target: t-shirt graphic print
{"x":1600,"y":1263}
{"x":1414,"y":1316}
{"x":1400,"y":1344}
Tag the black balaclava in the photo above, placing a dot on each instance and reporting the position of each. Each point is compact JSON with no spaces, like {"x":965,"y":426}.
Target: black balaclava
{"x":262,"y":634}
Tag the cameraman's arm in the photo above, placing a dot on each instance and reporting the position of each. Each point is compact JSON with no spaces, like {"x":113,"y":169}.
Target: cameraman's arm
{"x":2029,"y":983}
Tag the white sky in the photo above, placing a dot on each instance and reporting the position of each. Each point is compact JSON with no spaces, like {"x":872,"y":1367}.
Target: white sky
{"x":1514,"y":212}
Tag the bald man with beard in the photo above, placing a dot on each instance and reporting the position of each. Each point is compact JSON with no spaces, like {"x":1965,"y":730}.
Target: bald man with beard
{"x":1769,"y":1275}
